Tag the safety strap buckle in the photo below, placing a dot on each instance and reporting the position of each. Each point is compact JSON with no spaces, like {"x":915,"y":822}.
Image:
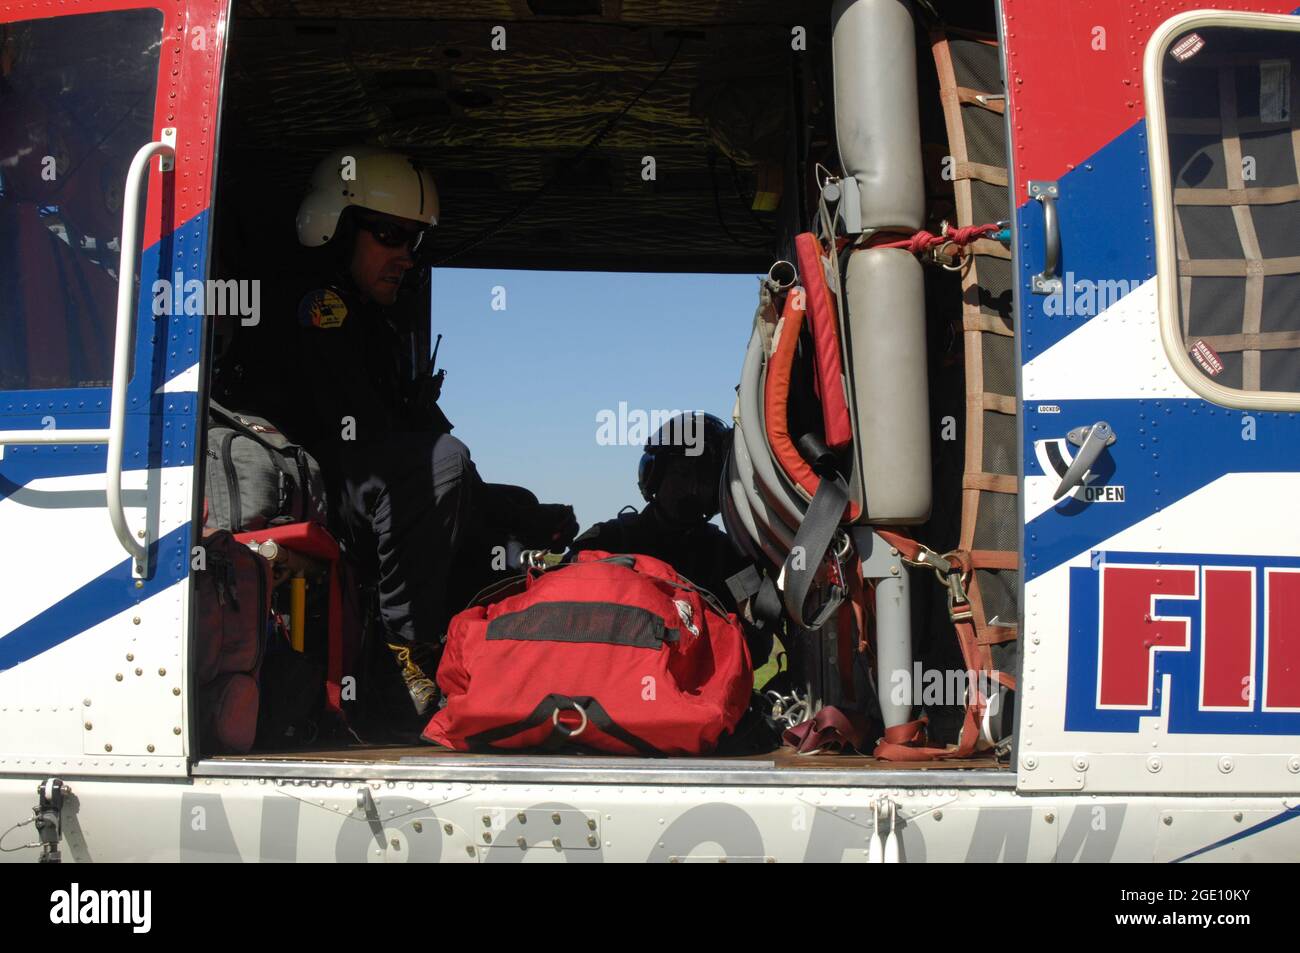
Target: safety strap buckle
{"x":927,"y":558}
{"x":948,"y":569}
{"x":959,"y":607}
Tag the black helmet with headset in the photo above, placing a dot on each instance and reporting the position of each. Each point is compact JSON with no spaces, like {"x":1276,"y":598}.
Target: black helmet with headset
{"x":703,"y":442}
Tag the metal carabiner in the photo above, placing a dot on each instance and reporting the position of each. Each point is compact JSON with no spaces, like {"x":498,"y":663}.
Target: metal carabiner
{"x":835,"y":575}
{"x":790,"y":709}
{"x":843,"y":545}
{"x":778,"y":703}
{"x":796,"y":714}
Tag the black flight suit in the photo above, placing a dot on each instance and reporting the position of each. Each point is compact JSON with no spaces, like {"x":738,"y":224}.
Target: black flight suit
{"x":701,"y":552}
{"x":404,"y":488}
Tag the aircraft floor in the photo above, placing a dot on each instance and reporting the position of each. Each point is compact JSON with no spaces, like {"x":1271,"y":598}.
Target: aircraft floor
{"x":781,"y":758}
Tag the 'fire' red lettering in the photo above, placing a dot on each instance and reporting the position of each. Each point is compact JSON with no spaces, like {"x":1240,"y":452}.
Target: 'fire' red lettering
{"x":1228,"y":638}
{"x":1282,"y":639}
{"x":1131,"y":633}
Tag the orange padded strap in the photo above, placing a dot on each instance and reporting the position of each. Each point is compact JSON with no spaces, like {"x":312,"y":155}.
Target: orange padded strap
{"x":776,"y":401}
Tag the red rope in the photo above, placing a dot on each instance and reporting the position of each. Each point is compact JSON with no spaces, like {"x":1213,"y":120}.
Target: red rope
{"x":923,"y":241}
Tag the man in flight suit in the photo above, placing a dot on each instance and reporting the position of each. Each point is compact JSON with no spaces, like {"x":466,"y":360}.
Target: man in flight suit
{"x":679,"y":478}
{"x":404,"y":488}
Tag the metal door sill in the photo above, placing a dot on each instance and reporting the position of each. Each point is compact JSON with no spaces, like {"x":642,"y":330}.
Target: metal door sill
{"x":550,"y":769}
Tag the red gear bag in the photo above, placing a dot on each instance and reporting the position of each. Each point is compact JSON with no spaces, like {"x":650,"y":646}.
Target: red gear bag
{"x":615,"y":653}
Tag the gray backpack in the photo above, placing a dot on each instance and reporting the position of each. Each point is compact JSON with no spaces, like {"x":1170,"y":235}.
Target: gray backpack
{"x":256,"y":477}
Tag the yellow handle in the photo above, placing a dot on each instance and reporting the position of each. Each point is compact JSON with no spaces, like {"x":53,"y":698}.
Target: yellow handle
{"x":298,"y":613}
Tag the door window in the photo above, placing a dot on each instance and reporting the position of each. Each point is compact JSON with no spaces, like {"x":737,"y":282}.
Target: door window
{"x":1226,"y":166}
{"x":76,"y":102}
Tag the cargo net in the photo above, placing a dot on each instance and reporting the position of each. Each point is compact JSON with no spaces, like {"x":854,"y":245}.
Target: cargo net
{"x":1234,"y":149}
{"x":973,"y":105}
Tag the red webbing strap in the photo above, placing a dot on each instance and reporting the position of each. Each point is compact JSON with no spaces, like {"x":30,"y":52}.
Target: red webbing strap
{"x":994,"y":559}
{"x":867,"y":634}
{"x":334,"y":668}
{"x":826,"y":342}
{"x":852,"y":622}
{"x":902,"y":742}
{"x":988,"y":635}
{"x":907,"y":547}
{"x":776,"y":403}
{"x":831,"y":729}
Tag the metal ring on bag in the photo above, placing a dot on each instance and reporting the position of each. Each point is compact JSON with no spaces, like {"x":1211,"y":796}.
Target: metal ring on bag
{"x":789,"y":274}
{"x":555,"y":721}
{"x":959,"y":260}
{"x":966,"y":572}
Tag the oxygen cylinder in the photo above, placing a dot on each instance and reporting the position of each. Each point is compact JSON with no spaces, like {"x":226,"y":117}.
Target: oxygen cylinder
{"x":885,"y":297}
{"x":877,"y":121}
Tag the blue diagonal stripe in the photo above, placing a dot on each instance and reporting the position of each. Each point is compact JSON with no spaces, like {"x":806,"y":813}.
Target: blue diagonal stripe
{"x":98,"y":600}
{"x":1290,"y":814}
{"x":1164,"y":451}
{"x":1104,"y":212}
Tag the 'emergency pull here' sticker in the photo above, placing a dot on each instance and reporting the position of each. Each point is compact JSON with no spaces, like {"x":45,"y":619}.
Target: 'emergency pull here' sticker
{"x":1207,"y":358}
{"x":1187,"y":47}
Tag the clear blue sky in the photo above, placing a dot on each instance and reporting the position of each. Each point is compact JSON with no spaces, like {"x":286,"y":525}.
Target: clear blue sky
{"x":525,"y":384}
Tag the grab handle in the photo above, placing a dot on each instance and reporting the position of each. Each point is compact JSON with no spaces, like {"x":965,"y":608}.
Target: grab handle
{"x":1048,"y":281}
{"x":136,"y":545}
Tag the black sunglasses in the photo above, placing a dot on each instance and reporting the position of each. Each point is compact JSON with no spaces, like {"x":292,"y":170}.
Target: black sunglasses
{"x":392,"y":234}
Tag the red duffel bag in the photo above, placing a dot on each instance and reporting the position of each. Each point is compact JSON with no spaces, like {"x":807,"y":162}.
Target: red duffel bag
{"x":615,"y":653}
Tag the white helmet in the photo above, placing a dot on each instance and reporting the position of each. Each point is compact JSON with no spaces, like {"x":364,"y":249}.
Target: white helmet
{"x":370,"y":178}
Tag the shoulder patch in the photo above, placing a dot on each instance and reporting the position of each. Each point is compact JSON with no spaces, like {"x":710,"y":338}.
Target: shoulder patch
{"x":322,"y":308}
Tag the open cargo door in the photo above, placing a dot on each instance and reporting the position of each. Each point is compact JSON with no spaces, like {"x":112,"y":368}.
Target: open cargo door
{"x":106,"y":157}
{"x":1155,"y":155}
